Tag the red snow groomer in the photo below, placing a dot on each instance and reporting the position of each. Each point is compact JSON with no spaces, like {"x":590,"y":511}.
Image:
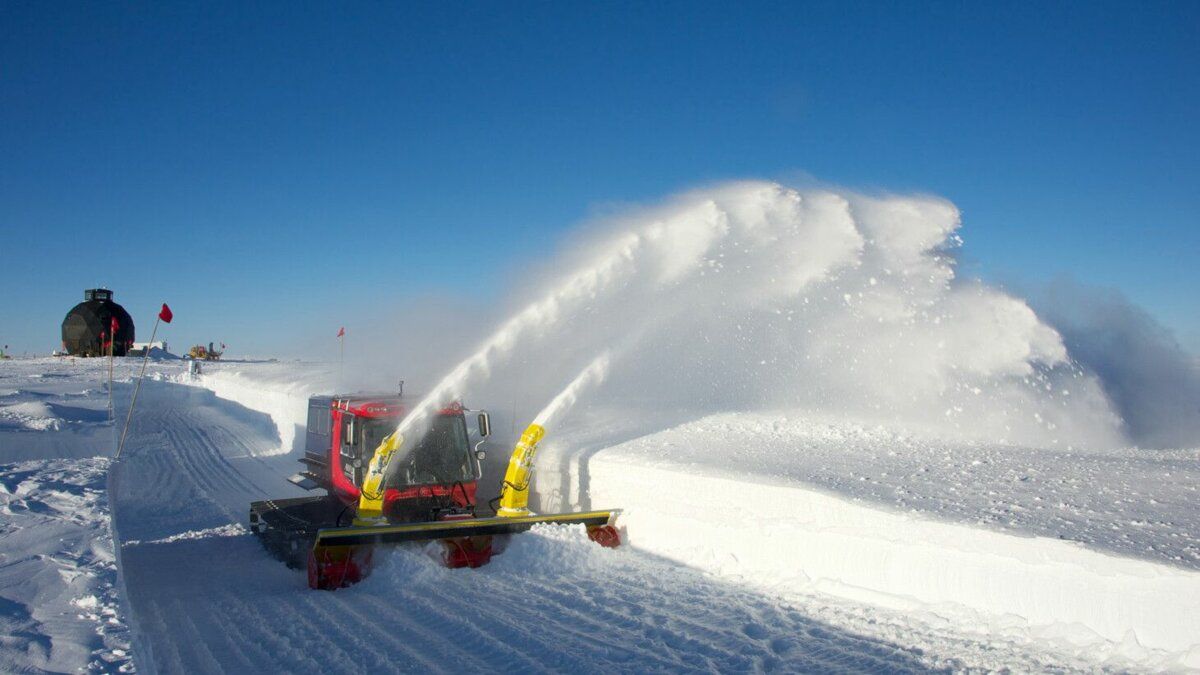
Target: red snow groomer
{"x":430,"y":494}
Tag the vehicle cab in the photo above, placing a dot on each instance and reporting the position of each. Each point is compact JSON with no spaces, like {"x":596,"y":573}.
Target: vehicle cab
{"x":436,"y":475}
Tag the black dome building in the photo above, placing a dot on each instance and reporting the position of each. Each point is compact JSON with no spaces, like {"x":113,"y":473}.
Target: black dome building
{"x":82,"y":328}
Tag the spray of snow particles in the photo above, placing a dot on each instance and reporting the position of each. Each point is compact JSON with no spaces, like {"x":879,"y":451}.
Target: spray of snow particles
{"x":754,"y":295}
{"x":591,"y":376}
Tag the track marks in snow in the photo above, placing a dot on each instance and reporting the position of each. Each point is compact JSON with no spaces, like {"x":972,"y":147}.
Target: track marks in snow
{"x":441,"y":634}
{"x":568,"y":602}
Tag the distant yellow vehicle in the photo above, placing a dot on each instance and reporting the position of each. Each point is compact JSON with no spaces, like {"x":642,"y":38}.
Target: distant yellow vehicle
{"x":202,"y":353}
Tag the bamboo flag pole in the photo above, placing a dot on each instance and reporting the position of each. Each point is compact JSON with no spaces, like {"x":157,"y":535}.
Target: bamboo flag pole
{"x":111,"y":339}
{"x":163,"y":315}
{"x":341,"y":357}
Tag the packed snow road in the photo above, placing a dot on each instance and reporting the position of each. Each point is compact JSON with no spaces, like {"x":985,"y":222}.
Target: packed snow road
{"x":205,"y":597}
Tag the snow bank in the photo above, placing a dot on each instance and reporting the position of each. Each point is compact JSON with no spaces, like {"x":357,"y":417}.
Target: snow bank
{"x":278,"y":390}
{"x":1130,"y":502}
{"x":788,"y":538}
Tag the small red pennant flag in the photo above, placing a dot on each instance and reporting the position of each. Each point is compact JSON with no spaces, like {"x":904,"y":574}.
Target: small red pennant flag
{"x":115,"y":326}
{"x":166,"y":314}
{"x":342,"y":332}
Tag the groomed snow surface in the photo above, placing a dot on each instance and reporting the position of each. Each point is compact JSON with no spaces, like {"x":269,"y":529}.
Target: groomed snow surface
{"x":764,"y":541}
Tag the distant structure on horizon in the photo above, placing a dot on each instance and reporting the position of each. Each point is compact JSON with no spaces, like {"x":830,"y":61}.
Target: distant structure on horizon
{"x":139,"y":348}
{"x":85,"y":330}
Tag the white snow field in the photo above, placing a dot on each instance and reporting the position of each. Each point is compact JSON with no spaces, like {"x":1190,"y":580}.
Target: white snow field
{"x":58,"y":576}
{"x":772,"y":567}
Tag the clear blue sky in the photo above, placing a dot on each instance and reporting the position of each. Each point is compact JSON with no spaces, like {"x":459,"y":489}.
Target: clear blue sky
{"x":273,"y":168}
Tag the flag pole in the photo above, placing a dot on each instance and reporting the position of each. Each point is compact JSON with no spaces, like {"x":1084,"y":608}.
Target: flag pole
{"x":137,"y":387}
{"x":111,"y":411}
{"x":342,"y":360}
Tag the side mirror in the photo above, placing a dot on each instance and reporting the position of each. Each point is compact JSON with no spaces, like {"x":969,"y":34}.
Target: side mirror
{"x":480,"y":455}
{"x":485,"y":426}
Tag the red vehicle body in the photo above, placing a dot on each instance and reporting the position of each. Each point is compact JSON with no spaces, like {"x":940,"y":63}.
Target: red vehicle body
{"x":435,"y":479}
{"x":429,"y":493}
{"x":438,"y":475}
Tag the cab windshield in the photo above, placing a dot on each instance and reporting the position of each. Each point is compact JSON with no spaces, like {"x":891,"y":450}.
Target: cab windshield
{"x":443,"y":457}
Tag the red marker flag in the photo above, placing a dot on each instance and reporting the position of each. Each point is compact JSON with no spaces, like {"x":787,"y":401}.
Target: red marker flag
{"x":115,"y":326}
{"x":342,"y":332}
{"x":166,"y":314}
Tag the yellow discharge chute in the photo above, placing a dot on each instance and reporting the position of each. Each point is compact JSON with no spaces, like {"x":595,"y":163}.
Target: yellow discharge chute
{"x":514,"y":494}
{"x":370,"y":499}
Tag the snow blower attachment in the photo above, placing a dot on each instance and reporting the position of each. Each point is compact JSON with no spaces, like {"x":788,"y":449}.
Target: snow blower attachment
{"x":428,"y":495}
{"x":514,"y":493}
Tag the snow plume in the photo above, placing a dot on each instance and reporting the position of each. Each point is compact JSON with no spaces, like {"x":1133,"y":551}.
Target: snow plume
{"x":755,"y":295}
{"x":591,"y":376}
{"x":1151,"y":381}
